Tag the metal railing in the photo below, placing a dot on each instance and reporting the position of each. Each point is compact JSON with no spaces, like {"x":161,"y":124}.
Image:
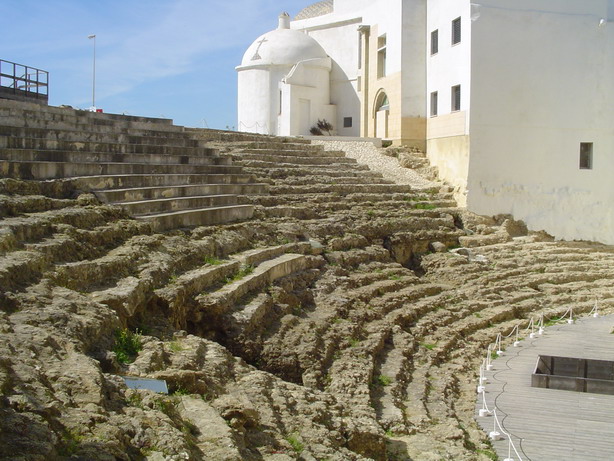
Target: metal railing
{"x":23,"y":81}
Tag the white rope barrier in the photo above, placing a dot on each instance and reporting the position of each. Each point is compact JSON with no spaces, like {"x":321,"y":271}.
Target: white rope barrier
{"x":255,"y":125}
{"x":487,"y":365}
{"x":495,"y":435}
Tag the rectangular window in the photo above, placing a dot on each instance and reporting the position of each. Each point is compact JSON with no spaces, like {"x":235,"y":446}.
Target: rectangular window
{"x":456,"y":98}
{"x":456,"y":31}
{"x":435,"y":42}
{"x":586,"y":155}
{"x":347,"y":122}
{"x":434,"y":104}
{"x":381,"y":56}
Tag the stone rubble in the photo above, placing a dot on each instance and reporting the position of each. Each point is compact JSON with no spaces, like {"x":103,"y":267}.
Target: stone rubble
{"x":346,"y":321}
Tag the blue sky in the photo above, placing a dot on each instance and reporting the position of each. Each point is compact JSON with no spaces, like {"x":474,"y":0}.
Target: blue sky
{"x":169,"y":58}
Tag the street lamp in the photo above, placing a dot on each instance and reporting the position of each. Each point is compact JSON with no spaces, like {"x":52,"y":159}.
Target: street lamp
{"x":93,"y":75}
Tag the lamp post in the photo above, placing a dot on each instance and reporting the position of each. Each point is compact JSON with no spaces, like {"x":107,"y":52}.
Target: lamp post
{"x":93,"y":74}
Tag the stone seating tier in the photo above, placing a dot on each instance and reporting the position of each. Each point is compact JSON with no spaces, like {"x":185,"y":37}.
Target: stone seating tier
{"x":156,"y":171}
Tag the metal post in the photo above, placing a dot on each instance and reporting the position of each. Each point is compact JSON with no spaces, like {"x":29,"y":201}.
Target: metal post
{"x":93,"y":36}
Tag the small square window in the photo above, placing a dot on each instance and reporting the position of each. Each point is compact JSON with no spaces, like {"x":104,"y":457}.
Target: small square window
{"x":456,"y":98}
{"x":586,"y":155}
{"x":435,"y":42}
{"x":456,"y":31}
{"x":434,"y":104}
{"x":347,"y":122}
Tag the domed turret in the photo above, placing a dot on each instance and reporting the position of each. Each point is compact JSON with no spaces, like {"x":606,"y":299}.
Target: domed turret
{"x":284,"y":83}
{"x":282,"y":47}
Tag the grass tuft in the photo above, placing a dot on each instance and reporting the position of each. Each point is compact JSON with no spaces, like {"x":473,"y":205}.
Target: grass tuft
{"x":127,"y":345}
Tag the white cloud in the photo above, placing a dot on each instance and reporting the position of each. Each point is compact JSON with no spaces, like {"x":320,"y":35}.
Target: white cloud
{"x":177,"y":38}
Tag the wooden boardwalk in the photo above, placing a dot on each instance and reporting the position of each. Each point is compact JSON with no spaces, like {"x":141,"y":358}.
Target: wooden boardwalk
{"x":547,"y":424}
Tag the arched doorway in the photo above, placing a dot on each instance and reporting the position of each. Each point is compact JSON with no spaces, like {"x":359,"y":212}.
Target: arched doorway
{"x":380,"y":114}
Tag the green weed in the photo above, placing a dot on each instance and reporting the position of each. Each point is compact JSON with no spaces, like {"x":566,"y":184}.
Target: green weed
{"x":181,"y":391}
{"x":488,"y":453}
{"x":243,"y":272}
{"x":295,"y":443}
{"x":383,"y":380}
{"x":212,"y":261}
{"x":127,"y":345}
{"x":135,"y":400}
{"x":71,"y":441}
{"x":429,"y":346}
{"x":552,"y":321}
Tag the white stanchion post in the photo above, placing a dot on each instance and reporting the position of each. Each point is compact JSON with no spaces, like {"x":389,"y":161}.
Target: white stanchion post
{"x":517,"y":341}
{"x":509,"y":451}
{"x":532,"y":327}
{"x":570,"y":319}
{"x":498,"y":345}
{"x":489,"y":366}
{"x":494,"y":434}
{"x":484,"y":411}
{"x":481,"y":387}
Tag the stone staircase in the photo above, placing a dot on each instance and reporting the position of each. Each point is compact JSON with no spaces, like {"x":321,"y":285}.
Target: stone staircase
{"x":157,"y":172}
{"x":351,"y":314}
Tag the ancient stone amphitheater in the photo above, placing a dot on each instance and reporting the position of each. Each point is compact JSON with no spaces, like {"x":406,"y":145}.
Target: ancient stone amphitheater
{"x":298,"y":305}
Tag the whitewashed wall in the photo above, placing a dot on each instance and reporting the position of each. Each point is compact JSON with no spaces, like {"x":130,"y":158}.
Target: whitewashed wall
{"x":543,"y":82}
{"x":448,"y":133}
{"x":341,"y":44}
{"x":254,"y":101}
{"x":413,"y":60}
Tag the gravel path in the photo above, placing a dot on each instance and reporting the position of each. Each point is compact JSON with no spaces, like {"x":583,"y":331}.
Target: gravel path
{"x":367,"y":154}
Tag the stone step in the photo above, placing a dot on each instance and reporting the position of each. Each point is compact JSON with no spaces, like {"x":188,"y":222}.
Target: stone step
{"x":19,"y":268}
{"x":148,"y":137}
{"x":152,"y":206}
{"x":295,"y":160}
{"x":344,"y":189}
{"x":294,"y":152}
{"x":54,"y":170}
{"x":97,"y":147}
{"x":177,"y":296}
{"x":259,"y":255}
{"x":198,"y":217}
{"x":16,"y":205}
{"x":313,"y":179}
{"x":27,"y":155}
{"x":165,"y":192}
{"x":14,"y":113}
{"x":263,"y":275}
{"x":278,"y":145}
{"x":89,"y":183}
{"x":79,"y":123}
{"x":265,"y":165}
{"x":281,"y":173}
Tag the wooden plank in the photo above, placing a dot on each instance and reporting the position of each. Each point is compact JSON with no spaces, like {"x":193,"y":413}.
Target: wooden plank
{"x":548,"y":424}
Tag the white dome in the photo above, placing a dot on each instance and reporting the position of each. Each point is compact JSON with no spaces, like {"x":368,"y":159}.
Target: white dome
{"x":281,"y":47}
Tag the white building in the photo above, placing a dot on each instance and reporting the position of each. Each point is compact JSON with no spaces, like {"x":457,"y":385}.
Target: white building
{"x":513,"y":100}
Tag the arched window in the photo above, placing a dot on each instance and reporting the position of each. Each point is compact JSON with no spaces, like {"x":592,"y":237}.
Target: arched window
{"x":381,"y":102}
